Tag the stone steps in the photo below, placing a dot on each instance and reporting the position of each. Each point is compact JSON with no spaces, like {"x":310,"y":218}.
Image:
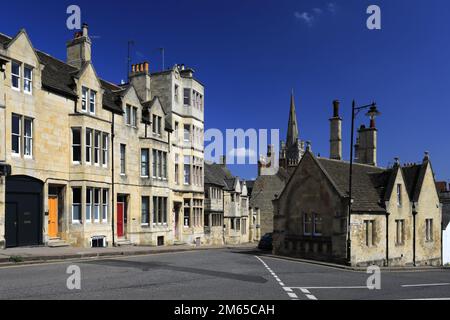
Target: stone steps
{"x":57,"y":243}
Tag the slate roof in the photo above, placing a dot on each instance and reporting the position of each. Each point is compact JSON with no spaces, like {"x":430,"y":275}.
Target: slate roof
{"x":217,"y":174}
{"x":111,"y":96}
{"x":265,"y":188}
{"x":368,"y":183}
{"x":372,"y":186}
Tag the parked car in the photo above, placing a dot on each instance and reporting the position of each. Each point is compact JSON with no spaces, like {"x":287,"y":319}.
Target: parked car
{"x":266,"y":242}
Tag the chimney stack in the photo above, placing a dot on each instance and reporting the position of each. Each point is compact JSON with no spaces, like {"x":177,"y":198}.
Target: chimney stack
{"x":140,"y":79}
{"x":223,"y":161}
{"x":79,"y":48}
{"x":367,"y":150}
{"x":336,"y":133}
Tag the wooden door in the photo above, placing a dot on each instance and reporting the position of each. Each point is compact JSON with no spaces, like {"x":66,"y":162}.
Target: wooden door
{"x":53,"y":217}
{"x":120,"y":211}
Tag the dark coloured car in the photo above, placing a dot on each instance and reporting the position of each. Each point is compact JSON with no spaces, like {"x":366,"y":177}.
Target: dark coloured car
{"x":266,"y":242}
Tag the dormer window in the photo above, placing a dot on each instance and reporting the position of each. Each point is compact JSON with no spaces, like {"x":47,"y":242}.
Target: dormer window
{"x":86,"y":94}
{"x":131,"y":116}
{"x":157,"y":124}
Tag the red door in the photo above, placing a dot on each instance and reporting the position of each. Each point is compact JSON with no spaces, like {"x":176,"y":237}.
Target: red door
{"x":120,"y":208}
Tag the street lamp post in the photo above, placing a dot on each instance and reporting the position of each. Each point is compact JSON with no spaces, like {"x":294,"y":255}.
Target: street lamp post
{"x":373,"y":112}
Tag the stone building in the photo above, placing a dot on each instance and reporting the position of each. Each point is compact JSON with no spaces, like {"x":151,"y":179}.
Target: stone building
{"x":228,"y":218}
{"x":444,"y":195}
{"x":268,"y":185}
{"x":86,"y":162}
{"x":395,"y":218}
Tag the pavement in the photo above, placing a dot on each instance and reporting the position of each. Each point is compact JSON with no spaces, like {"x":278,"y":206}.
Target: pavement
{"x":214,"y":274}
{"x":28,"y":255}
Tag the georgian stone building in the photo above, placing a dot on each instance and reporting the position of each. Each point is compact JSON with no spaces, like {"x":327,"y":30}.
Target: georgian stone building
{"x":228,"y":218}
{"x":87,"y":162}
{"x":395,"y":218}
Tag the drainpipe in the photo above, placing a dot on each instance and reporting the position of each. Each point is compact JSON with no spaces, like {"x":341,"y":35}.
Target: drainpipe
{"x":113,"y":195}
{"x":387,"y":239}
{"x":414,"y":236}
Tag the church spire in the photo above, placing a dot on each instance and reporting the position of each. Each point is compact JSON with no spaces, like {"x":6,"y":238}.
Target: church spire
{"x":292,"y":134}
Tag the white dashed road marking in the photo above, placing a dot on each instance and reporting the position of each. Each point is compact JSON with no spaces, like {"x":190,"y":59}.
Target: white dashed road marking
{"x":288,"y":290}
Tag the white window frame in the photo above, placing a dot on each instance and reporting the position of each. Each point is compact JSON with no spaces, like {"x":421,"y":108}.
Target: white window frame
{"x":29,"y":80}
{"x":105,"y":205}
{"x":148,"y":213}
{"x":147,"y":163}
{"x":92,"y":101}
{"x":123,"y":159}
{"x":134,"y":111}
{"x":187,"y":164}
{"x":97,"y":148}
{"x":27,"y":139}
{"x":18,"y":76}
{"x":18,"y":135}
{"x":77,"y":221}
{"x":186,"y":90}
{"x":84,"y":99}
{"x":88,"y":148}
{"x":77,"y":145}
{"x":97,"y":205}
{"x":105,"y":149}
{"x":89,"y":205}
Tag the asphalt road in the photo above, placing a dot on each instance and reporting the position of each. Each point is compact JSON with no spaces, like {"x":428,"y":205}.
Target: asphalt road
{"x":214,"y":275}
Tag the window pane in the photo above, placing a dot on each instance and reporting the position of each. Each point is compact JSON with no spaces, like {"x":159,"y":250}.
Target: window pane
{"x":84,"y":96}
{"x":145,"y":210}
{"x":76,"y":145}
{"x":16,"y":124}
{"x":92,"y":102}
{"x":28,"y":138}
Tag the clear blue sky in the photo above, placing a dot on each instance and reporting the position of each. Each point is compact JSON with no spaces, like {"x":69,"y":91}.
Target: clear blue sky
{"x":249,"y":54}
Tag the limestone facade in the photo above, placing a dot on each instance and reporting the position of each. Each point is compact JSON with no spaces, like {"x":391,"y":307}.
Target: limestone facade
{"x":112,"y":159}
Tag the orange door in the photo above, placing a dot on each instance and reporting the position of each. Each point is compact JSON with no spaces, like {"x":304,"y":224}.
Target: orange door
{"x":52,"y":217}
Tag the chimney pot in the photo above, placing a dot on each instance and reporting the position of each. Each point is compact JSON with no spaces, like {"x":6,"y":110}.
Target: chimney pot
{"x":133,"y":68}
{"x":146,"y":65}
{"x":336,"y":104}
{"x":85,"y":29}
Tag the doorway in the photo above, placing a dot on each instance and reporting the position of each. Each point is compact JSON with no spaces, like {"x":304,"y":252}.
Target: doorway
{"x":177,"y":223}
{"x":24,"y":209}
{"x":121,"y":216}
{"x":53,"y":217}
